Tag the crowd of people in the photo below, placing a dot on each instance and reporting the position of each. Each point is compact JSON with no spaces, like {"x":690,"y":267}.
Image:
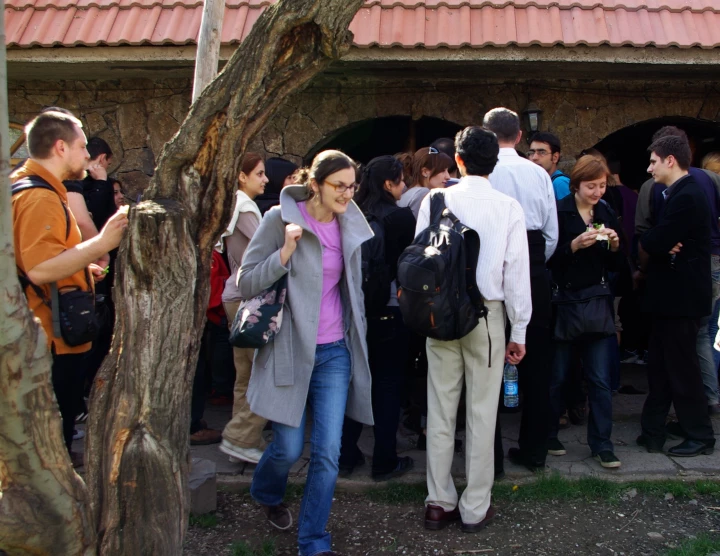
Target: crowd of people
{"x":577,"y":272}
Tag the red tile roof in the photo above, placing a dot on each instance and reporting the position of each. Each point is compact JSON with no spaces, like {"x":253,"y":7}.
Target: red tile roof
{"x":380,"y":23}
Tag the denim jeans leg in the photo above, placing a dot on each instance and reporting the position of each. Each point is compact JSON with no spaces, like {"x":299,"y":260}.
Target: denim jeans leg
{"x":707,"y":363}
{"x":597,"y":373}
{"x":712,"y":332}
{"x":271,"y":475}
{"x":327,"y":398}
{"x":560,"y":365}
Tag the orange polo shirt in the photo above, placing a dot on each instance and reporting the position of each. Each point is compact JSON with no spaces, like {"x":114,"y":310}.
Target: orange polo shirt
{"x":40,"y":232}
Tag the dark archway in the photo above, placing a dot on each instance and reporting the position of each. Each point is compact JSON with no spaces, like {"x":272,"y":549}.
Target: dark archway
{"x":365,"y":140}
{"x":629,"y":144}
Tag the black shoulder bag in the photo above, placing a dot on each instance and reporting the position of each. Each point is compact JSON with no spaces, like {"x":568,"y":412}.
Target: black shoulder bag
{"x":73,"y":309}
{"x":587,"y":312}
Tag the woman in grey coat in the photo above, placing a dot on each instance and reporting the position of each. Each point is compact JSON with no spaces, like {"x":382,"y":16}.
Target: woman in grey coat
{"x":318,"y":360}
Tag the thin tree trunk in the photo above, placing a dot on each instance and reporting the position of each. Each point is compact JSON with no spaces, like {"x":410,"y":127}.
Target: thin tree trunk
{"x":43,"y":503}
{"x":139,"y":417}
{"x":208,"y":49}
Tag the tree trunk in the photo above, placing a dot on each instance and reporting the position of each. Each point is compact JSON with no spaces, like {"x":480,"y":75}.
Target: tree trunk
{"x":208,"y":49}
{"x":139,"y":417}
{"x":43,"y":503}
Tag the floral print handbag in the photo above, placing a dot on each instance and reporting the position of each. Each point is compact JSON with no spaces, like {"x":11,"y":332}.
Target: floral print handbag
{"x":258,"y":320}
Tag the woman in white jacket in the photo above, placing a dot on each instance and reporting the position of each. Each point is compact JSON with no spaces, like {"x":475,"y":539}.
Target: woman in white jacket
{"x":242,"y":436}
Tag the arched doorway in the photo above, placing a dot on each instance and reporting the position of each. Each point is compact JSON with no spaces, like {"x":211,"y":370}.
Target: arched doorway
{"x":365,"y":140}
{"x":629,"y":145}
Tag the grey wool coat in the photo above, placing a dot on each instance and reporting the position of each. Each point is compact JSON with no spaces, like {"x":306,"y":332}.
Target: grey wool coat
{"x":281,"y":371}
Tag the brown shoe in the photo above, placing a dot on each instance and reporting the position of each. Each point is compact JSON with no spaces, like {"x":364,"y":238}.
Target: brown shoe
{"x":437,"y":518}
{"x":479,"y":526}
{"x":279,"y":516}
{"x":77,"y":459}
{"x":205,"y":436}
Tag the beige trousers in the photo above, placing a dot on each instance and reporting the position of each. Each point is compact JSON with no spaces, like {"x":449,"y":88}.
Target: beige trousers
{"x":448,"y":364}
{"x":245,"y":428}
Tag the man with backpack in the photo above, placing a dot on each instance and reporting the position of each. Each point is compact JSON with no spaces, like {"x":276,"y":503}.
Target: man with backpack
{"x":52,"y":260}
{"x":545,"y":152}
{"x":477,"y":357}
{"x":530,"y":186}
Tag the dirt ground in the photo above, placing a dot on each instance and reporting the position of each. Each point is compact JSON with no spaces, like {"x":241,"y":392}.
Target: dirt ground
{"x":642,"y":525}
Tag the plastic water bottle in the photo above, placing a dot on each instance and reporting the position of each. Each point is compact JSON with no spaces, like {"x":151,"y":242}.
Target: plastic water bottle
{"x":510,"y":378}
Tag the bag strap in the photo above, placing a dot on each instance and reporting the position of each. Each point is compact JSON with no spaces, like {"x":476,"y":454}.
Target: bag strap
{"x":36,"y":182}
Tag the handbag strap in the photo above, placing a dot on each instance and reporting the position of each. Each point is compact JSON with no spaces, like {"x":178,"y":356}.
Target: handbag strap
{"x":55,"y":307}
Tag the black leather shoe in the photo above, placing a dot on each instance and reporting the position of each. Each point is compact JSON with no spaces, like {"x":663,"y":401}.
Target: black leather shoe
{"x":691,"y":448}
{"x":345,"y":470}
{"x":436,"y":518}
{"x":516,"y":456}
{"x":652,"y":446}
{"x":404,"y":464}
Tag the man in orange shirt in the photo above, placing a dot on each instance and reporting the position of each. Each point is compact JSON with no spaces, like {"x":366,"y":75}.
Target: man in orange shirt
{"x":49,"y":248}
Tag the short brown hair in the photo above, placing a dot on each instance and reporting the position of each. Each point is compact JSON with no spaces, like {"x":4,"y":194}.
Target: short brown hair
{"x":588,"y":168}
{"x":673,"y":145}
{"x":47,"y":129}
{"x":250,"y":162}
{"x":711,"y":162}
{"x":436,"y":162}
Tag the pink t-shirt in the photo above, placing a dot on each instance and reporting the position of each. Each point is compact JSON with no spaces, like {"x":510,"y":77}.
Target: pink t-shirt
{"x":330,"y":327}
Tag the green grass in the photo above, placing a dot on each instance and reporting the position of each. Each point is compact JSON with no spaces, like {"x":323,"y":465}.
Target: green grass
{"x":242,"y":548}
{"x":204,"y":521}
{"x":554,"y":487}
{"x":701,"y":546}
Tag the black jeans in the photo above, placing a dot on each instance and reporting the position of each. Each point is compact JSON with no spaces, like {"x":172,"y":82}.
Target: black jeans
{"x":674,"y":378}
{"x":387,"y":339}
{"x":221,"y":359}
{"x":68,"y":373}
{"x":199,"y":389}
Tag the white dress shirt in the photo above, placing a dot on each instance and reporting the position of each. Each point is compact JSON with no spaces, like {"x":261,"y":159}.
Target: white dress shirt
{"x":503,"y":270}
{"x":531,"y":186}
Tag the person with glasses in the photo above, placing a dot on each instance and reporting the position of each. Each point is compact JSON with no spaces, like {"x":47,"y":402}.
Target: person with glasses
{"x":431,"y":169}
{"x":318,"y":362}
{"x":545,"y":151}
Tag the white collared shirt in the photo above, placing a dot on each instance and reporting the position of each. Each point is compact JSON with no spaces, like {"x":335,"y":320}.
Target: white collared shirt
{"x":503,"y":271}
{"x":531,"y":186}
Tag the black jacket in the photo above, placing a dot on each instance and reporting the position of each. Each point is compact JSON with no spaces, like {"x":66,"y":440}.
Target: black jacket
{"x":680,"y":286}
{"x":99,"y":198}
{"x":586,"y":267}
{"x":399,"y":230}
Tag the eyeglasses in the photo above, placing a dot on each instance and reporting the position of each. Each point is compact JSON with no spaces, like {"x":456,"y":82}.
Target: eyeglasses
{"x":539,"y":152}
{"x":342,"y":188}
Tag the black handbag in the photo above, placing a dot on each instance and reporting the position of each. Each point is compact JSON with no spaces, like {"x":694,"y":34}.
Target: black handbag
{"x":587,"y":312}
{"x":258,"y":320}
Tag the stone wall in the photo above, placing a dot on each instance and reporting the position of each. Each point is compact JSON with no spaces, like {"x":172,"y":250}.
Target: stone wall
{"x":137,"y":117}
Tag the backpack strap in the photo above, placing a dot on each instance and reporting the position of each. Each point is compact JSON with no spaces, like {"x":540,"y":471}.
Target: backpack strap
{"x":36,"y":182}
{"x":437,"y":206}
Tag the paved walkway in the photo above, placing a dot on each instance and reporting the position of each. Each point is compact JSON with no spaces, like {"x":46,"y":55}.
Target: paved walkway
{"x":636,"y":462}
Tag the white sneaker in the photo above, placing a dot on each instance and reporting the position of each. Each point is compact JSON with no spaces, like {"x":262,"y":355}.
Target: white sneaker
{"x":250,"y":455}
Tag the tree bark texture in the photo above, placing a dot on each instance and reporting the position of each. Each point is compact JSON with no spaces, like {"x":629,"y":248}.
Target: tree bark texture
{"x":43,"y":503}
{"x":139,"y":416}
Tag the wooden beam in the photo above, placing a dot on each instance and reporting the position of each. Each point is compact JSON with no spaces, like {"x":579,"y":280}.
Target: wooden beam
{"x":208,"y":50}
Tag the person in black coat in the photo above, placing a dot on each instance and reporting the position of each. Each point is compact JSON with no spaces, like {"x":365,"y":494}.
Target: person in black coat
{"x":581,"y":262}
{"x":675,"y":258}
{"x":381,"y":185}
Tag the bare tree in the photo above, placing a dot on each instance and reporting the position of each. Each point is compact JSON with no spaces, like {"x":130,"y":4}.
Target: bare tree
{"x":137,"y":451}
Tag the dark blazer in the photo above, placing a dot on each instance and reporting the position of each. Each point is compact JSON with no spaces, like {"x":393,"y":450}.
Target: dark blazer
{"x":586,"y":267}
{"x":680,"y":287}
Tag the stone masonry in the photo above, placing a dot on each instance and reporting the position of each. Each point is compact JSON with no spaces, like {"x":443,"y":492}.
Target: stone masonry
{"x":138,"y":116}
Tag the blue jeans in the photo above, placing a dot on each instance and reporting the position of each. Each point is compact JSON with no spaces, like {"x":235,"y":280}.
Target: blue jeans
{"x":596,"y":367}
{"x":708,"y":370}
{"x":327,"y":397}
{"x":713,"y":324}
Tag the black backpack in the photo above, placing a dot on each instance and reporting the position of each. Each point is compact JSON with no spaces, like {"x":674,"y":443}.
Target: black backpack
{"x":439,"y":297}
{"x":376,"y":272}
